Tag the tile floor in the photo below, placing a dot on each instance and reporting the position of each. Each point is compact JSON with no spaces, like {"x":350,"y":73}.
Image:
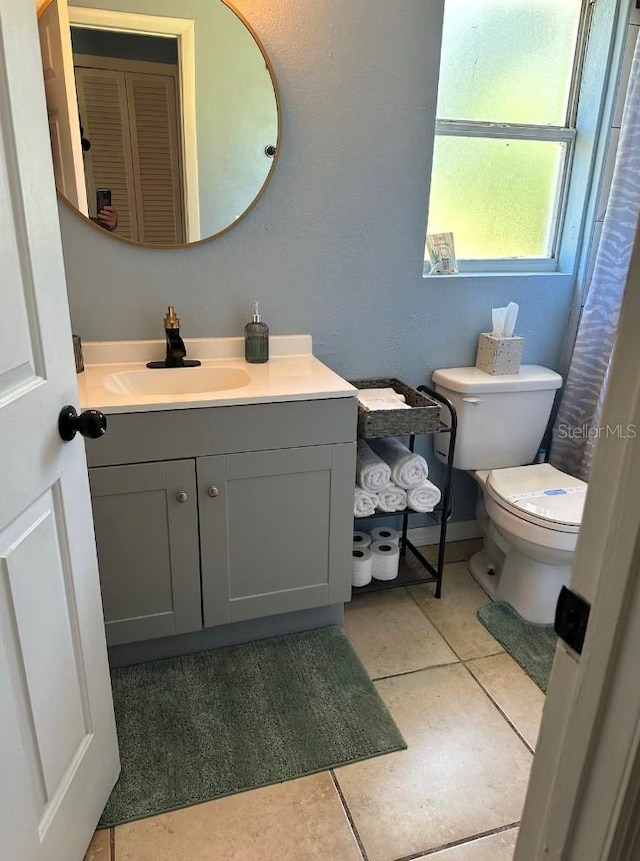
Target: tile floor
{"x":470,"y":717}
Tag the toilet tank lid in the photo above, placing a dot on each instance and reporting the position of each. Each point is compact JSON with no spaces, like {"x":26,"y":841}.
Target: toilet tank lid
{"x":474,"y":381}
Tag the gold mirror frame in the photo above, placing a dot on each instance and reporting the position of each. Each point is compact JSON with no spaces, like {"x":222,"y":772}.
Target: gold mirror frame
{"x":255,"y":200}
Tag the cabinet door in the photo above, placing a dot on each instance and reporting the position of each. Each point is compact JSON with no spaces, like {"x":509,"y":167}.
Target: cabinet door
{"x":147,"y":543}
{"x":276,"y":531}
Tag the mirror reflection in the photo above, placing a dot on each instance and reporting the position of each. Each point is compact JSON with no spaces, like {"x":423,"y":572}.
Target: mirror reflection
{"x":163,"y":115}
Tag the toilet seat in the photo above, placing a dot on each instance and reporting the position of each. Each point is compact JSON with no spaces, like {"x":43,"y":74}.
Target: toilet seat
{"x":539,"y":494}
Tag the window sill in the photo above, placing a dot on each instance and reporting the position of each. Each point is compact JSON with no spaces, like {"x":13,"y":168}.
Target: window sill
{"x":495,"y":273}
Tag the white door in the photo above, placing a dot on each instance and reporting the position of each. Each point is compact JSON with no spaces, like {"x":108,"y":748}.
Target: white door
{"x":62,"y":103}
{"x":584,"y":794}
{"x":58,"y":747}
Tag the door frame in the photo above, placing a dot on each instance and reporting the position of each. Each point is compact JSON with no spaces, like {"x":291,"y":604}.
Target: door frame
{"x":183,"y":30}
{"x":583,"y":797}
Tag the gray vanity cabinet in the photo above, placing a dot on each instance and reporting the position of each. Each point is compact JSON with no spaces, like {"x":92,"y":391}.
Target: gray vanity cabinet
{"x":146,"y":523}
{"x":273,"y":531}
{"x":264,"y":526}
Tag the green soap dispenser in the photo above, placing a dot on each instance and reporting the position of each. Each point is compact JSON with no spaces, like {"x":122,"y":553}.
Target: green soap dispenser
{"x":256,"y":339}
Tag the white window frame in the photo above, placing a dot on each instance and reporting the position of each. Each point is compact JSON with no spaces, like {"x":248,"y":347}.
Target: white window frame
{"x":565,"y":134}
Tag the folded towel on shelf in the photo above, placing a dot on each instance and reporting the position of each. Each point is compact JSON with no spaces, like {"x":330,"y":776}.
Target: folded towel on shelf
{"x":407,"y":468}
{"x":423,"y":498}
{"x":364,"y":503}
{"x":382,"y":399}
{"x":381,"y":393}
{"x":382,"y":404}
{"x":392,"y":499}
{"x":372,"y":473}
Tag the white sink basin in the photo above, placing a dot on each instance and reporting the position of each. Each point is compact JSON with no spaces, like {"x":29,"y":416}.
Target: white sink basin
{"x":176,"y":381}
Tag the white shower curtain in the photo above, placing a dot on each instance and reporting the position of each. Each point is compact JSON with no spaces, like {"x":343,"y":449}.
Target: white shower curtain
{"x":578,"y":423}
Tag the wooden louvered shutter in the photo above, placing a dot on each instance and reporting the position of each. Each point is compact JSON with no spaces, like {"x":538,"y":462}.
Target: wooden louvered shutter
{"x":151,"y":101}
{"x":102,"y":99}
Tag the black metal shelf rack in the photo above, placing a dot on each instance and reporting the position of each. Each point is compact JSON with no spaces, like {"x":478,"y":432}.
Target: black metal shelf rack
{"x":407,"y":575}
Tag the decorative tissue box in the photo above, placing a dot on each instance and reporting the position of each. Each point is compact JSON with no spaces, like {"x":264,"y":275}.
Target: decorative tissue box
{"x":499,"y":355}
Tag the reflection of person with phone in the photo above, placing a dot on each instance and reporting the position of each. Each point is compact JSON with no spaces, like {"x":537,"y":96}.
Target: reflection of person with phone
{"x":106,"y":213}
{"x":108,"y":217}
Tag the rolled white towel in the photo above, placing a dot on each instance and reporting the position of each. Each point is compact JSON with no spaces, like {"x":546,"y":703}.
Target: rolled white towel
{"x":372,"y":473}
{"x":423,"y":498}
{"x":408,"y":469}
{"x":392,"y":499}
{"x":364,"y":503}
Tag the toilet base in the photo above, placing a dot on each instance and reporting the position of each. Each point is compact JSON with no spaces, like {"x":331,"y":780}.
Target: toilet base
{"x":527,"y":576}
{"x":531,"y":587}
{"x":483,"y":572}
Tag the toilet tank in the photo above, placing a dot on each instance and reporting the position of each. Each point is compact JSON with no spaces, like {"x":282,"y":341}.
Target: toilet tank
{"x":501,"y":419}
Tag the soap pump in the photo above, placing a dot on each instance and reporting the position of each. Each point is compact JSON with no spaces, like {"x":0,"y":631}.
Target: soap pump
{"x":256,"y":339}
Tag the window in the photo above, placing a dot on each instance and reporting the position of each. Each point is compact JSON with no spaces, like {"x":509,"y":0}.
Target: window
{"x":505,"y":129}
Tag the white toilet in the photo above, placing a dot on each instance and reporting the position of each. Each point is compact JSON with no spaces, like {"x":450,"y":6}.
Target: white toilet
{"x":530,"y":514}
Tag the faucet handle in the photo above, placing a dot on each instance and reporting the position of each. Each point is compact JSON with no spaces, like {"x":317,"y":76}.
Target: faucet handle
{"x":171,"y":320}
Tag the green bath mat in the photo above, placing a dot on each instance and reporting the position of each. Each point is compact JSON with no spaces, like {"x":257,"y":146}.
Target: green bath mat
{"x":206,"y":725}
{"x":532,"y":646}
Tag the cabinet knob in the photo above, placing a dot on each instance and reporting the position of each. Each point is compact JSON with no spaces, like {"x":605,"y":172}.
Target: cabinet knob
{"x":182,"y":496}
{"x":213,"y":491}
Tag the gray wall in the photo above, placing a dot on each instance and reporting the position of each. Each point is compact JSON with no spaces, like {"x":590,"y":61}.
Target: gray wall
{"x":335,"y":245}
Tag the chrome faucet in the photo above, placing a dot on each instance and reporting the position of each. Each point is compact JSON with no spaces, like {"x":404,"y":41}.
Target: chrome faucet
{"x":176,"y":350}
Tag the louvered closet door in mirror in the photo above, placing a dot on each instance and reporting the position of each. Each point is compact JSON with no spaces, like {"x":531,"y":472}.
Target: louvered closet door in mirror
{"x":130,"y":118}
{"x":102,"y":98}
{"x":151,"y":101}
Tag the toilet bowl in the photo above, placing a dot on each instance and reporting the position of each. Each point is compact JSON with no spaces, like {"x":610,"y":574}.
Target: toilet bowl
{"x":531,"y":526}
{"x":529,"y":514}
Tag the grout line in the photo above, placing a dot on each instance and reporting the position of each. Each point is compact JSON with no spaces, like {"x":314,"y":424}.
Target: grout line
{"x":436,"y":627}
{"x":112,"y":844}
{"x":462,"y":842}
{"x":345,"y":807}
{"x":444,"y":637}
{"x":418,"y":670}
{"x":498,"y":707}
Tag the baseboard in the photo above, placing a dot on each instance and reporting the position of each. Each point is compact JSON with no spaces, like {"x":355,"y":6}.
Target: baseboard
{"x":232,"y":634}
{"x":457,"y":530}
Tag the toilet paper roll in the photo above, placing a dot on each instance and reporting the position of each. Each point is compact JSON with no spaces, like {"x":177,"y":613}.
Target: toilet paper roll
{"x":385,"y":559}
{"x":362,"y":566}
{"x":361,"y":539}
{"x":383,"y":533}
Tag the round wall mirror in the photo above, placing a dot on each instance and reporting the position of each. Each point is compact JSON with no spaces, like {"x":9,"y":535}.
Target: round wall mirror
{"x":164,"y":115}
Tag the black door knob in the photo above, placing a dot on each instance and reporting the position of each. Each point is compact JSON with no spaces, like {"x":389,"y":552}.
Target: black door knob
{"x":90,"y":423}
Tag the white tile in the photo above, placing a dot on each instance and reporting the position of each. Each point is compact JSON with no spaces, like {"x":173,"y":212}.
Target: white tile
{"x":455,"y":613}
{"x":513,"y":691}
{"x":300,"y":820}
{"x":100,"y":846}
{"x":464,"y":773}
{"x":391,"y":635}
{"x":494,"y":847}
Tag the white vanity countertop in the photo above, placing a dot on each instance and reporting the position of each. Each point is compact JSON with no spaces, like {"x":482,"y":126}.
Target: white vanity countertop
{"x":291,"y":374}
